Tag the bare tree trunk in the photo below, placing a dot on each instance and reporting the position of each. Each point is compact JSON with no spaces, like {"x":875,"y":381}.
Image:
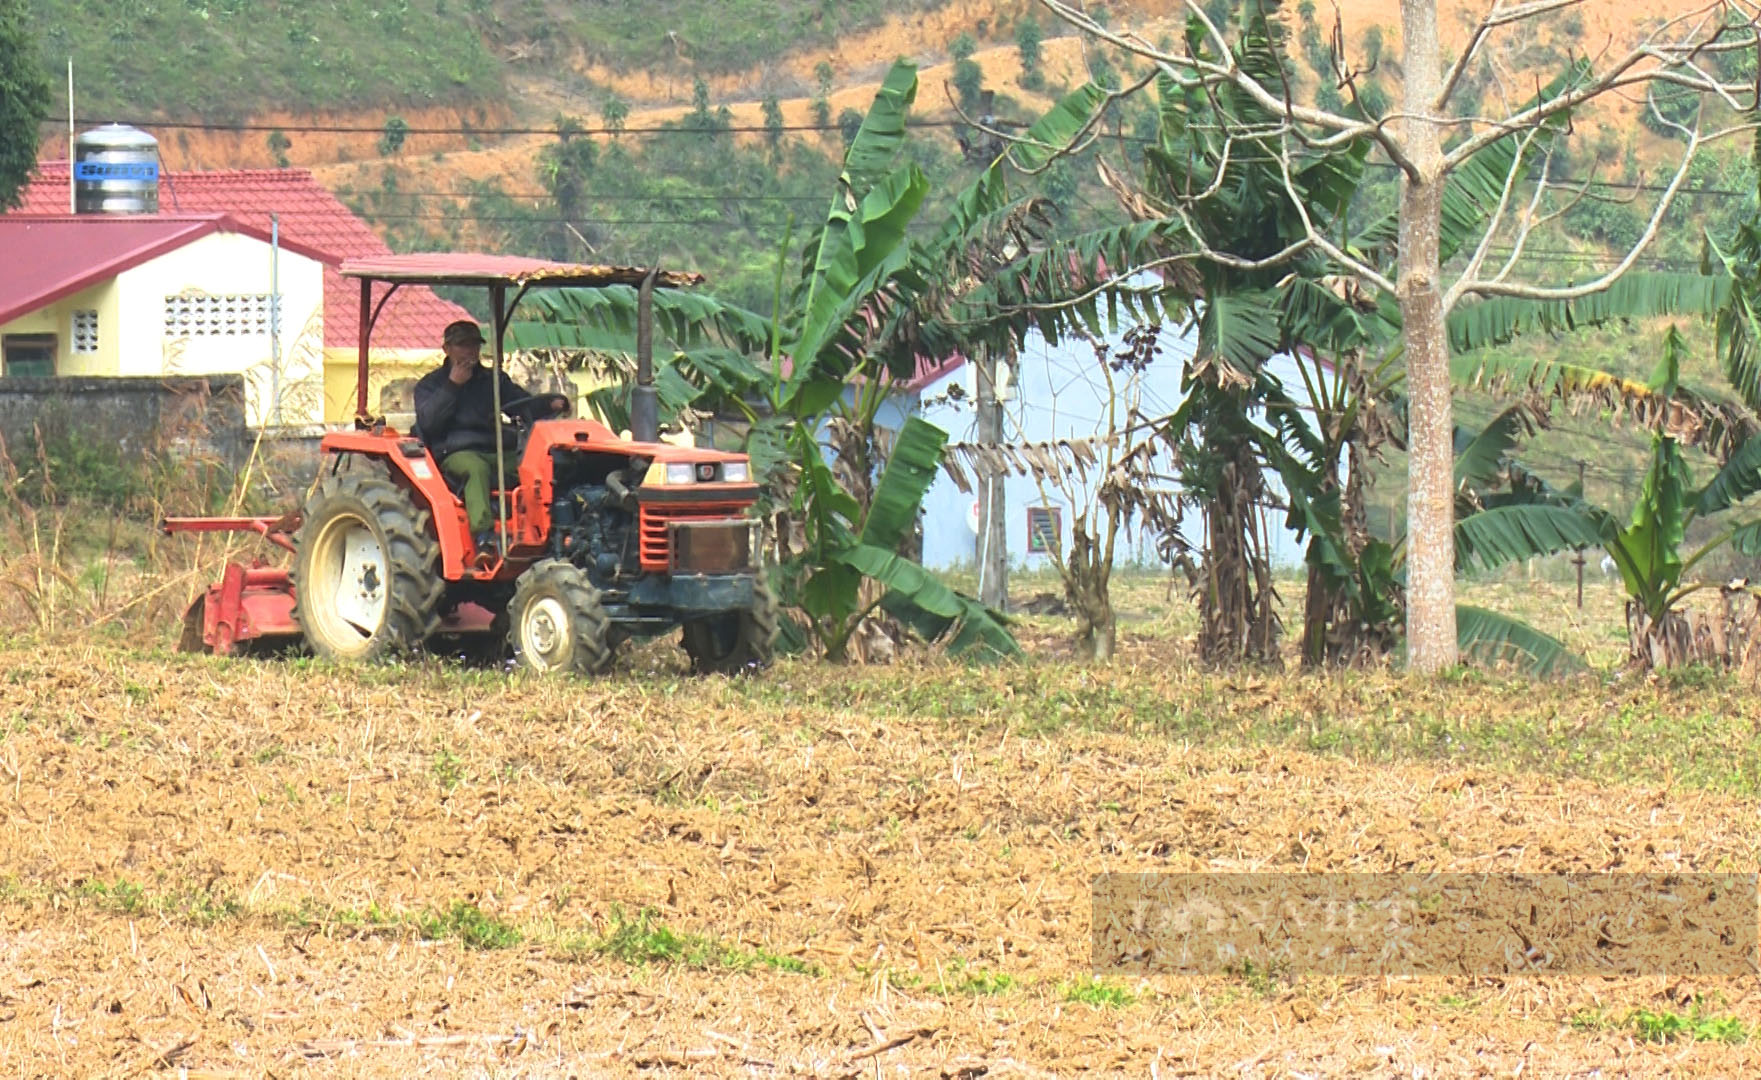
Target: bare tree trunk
{"x":1430,"y":613}
{"x":993,"y":535}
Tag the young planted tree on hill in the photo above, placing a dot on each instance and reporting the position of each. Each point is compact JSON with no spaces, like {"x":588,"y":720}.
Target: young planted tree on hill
{"x":1453,"y":208}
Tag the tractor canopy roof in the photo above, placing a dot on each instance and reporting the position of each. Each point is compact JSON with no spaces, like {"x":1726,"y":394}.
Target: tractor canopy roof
{"x":466,"y":268}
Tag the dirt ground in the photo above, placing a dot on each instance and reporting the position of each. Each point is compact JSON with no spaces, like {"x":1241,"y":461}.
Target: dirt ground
{"x":274,"y":868}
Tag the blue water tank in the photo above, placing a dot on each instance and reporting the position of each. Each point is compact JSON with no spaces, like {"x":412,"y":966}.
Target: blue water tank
{"x":115,"y":171}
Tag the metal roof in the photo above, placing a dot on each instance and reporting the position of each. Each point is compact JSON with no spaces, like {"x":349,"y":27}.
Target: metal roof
{"x":50,"y":258}
{"x":467,"y":268}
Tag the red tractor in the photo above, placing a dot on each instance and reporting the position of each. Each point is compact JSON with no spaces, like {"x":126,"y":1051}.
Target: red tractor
{"x":604,"y":539}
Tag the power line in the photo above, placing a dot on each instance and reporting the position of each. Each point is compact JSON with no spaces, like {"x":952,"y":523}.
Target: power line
{"x":468,"y":132}
{"x":730,"y":196}
{"x":682,"y":129}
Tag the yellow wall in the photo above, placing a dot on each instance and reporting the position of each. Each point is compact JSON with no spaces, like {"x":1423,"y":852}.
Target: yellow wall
{"x":57,"y":319}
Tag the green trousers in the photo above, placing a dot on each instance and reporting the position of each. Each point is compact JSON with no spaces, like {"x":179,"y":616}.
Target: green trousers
{"x":475,"y":467}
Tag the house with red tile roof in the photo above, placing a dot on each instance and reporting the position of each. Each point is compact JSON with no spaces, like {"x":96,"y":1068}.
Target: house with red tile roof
{"x":309,"y":219}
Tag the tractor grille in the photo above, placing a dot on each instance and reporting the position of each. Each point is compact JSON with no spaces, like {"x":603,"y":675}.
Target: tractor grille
{"x":712,"y":547}
{"x":654,"y":525}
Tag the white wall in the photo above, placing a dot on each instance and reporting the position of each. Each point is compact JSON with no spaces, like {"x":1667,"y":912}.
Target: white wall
{"x":224,"y":265}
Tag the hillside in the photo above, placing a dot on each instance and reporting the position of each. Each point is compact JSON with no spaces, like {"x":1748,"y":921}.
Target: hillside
{"x":483,"y":85}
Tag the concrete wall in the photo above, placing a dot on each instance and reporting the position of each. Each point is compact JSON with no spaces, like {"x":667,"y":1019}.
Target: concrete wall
{"x":138,"y":416}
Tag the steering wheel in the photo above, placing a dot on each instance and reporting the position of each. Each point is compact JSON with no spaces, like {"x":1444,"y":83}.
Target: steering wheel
{"x":508,"y":407}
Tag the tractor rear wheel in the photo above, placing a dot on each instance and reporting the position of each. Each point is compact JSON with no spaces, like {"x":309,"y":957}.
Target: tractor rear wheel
{"x":556,"y":621}
{"x":366,"y":574}
{"x":735,"y":642}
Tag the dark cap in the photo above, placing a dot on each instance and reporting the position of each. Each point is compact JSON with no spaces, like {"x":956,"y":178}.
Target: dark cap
{"x":463,"y":332}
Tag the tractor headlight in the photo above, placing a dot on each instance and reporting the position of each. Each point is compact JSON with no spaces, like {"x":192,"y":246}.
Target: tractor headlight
{"x":680,"y":472}
{"x":736,"y":472}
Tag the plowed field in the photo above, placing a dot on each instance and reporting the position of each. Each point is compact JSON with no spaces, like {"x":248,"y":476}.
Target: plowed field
{"x":274,"y":868}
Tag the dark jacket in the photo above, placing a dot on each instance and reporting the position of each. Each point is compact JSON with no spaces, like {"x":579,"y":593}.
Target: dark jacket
{"x":450,"y":417}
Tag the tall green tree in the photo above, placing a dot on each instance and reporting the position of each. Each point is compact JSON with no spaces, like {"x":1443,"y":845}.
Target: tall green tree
{"x":24,"y":101}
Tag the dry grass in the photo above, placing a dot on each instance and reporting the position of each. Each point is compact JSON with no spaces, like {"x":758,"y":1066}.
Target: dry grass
{"x":248,"y":868}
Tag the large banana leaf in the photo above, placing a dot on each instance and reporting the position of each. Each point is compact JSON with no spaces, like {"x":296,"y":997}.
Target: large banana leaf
{"x":1489,"y":636}
{"x":1737,"y":480}
{"x":1505,"y":534}
{"x":1739,"y":321}
{"x":930,"y":607}
{"x":877,"y":142}
{"x":1746,"y":539}
{"x":1648,"y":551}
{"x":1062,"y":290}
{"x":1480,"y":457}
{"x":1635,"y":295}
{"x":838,"y":262}
{"x":1241,"y":326}
{"x":909,"y":473}
{"x":856,"y":257}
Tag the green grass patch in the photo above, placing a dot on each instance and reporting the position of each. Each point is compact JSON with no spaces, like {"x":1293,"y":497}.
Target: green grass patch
{"x":1098,"y":991}
{"x":644,"y":940}
{"x":200,"y":906}
{"x":1666,"y":1025}
{"x":468,"y":924}
{"x":1696,"y":735}
{"x":1695,"y":1025}
{"x":961,"y":981}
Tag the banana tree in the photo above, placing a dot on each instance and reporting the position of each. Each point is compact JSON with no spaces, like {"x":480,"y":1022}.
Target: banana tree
{"x":818,"y":369}
{"x":1648,"y":549}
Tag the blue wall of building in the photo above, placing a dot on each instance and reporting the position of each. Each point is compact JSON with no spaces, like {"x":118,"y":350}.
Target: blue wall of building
{"x":1060,"y":395}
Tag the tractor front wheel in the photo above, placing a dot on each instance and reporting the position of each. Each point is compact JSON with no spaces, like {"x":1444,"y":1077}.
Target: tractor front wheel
{"x":556,"y":621}
{"x":735,"y":642}
{"x":366,"y":573}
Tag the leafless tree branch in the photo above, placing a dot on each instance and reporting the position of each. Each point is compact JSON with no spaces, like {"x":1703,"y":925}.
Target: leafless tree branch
{"x":1082,"y":140}
{"x":1495,"y":18}
{"x":1499,"y":287}
{"x":1190,"y":70}
{"x":1631,"y":69}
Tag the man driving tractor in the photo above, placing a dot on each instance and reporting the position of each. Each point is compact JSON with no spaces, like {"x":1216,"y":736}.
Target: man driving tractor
{"x":455,"y":417}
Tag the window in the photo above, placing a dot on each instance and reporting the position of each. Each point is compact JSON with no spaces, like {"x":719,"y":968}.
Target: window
{"x":85,"y":331}
{"x":28,"y":355}
{"x":217,"y":316}
{"x":1044,"y":528}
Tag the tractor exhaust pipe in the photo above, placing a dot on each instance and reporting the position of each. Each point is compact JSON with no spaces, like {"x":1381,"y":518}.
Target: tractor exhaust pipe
{"x":644,"y":405}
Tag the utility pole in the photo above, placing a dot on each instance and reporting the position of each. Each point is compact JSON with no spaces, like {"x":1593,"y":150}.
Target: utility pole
{"x":992,"y":544}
